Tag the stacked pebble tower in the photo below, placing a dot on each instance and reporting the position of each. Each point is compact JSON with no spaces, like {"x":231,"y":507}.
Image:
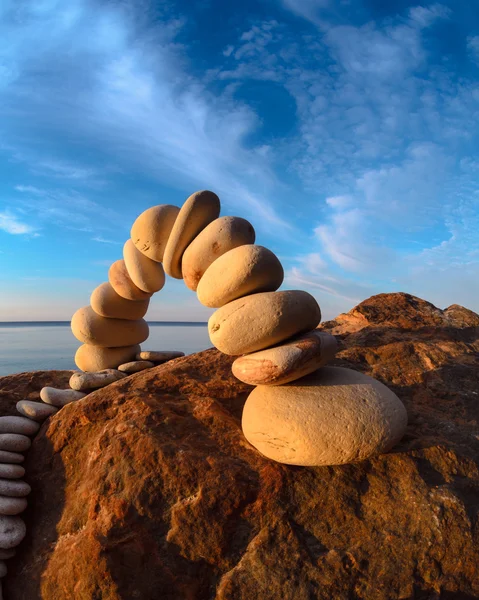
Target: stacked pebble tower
{"x":301,"y":412}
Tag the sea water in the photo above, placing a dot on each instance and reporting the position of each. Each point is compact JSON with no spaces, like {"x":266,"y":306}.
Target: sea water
{"x":39,"y":346}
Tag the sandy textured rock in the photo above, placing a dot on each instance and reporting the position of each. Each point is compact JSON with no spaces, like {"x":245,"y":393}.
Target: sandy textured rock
{"x":159,"y":356}
{"x":11,"y":458}
{"x":94,"y":358}
{"x":14,"y":442}
{"x":107,"y":303}
{"x":151,"y":230}
{"x":136,"y":366}
{"x":18,"y":425}
{"x":333,"y":416}
{"x":262,"y":320}
{"x":14,"y":488}
{"x":121,"y":282}
{"x":60,"y":398}
{"x":90,"y":381}
{"x":196,"y":213}
{"x":12,"y":531}
{"x":288,"y":361}
{"x":11,"y":471}
{"x":12,"y":506}
{"x":6,"y":554}
{"x":220,"y":236}
{"x":146,"y":274}
{"x":245,"y":270}
{"x":36,"y":411}
{"x":90,"y":328}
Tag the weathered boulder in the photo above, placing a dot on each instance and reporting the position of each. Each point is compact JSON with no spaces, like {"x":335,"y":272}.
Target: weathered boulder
{"x":148,"y":488}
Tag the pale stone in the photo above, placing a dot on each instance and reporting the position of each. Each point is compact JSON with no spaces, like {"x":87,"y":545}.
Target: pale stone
{"x":12,"y":531}
{"x":90,"y":328}
{"x":289,"y":361}
{"x":196,"y":213}
{"x":11,"y":458}
{"x":6,"y":554}
{"x":18,"y":425}
{"x":145,"y":273}
{"x":93,"y":358}
{"x":60,"y":398}
{"x":12,"y":506}
{"x":35,"y":410}
{"x":262,"y":320}
{"x":121,"y":282}
{"x":136,"y":366}
{"x":332,"y":417}
{"x":157,"y":356}
{"x":90,"y":381}
{"x":240,"y":272}
{"x":3,"y":569}
{"x":220,"y":236}
{"x":14,"y":442}
{"x":107,"y":303}
{"x":11,"y":471}
{"x":14,"y":488}
{"x":151,"y":230}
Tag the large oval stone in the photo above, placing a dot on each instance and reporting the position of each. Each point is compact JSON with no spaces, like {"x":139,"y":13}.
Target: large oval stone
{"x":220,"y":236}
{"x":239,"y":272}
{"x":14,"y":442}
{"x":90,"y":328}
{"x":262,"y":320}
{"x":60,"y":398}
{"x":12,"y":506}
{"x":37,"y":411}
{"x":14,"y":488}
{"x":123,"y":285}
{"x":146,"y":274}
{"x":331,"y":417}
{"x":196,"y":213}
{"x":151,"y":230}
{"x":289,"y":361}
{"x":107,"y":303}
{"x":93,"y":358}
{"x":13,"y":424}
{"x":12,"y":531}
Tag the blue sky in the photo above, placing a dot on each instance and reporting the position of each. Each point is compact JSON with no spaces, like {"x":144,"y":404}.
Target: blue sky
{"x":346,"y":131}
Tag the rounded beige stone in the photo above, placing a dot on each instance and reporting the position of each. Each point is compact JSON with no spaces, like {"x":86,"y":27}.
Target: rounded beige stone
{"x":239,"y":272}
{"x":121,"y":282}
{"x":220,"y":236}
{"x":151,"y":230}
{"x":158,"y":356}
{"x":262,"y":320}
{"x":289,"y":361}
{"x":90,"y":381}
{"x":90,"y":328}
{"x":14,"y":442}
{"x":145,"y":273}
{"x":90,"y":358}
{"x":136,"y":366}
{"x":12,"y":531}
{"x":60,"y":398}
{"x":18,"y":425}
{"x":11,"y":458}
{"x":12,"y":506}
{"x":37,"y":411}
{"x":332,"y":417}
{"x":196,"y":213}
{"x":14,"y":488}
{"x":11,"y":471}
{"x":107,"y":303}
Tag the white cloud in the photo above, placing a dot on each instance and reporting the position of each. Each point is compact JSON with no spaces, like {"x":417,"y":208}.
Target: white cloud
{"x":473,"y":46}
{"x":12,"y":224}
{"x":102,"y":240}
{"x":339,"y":202}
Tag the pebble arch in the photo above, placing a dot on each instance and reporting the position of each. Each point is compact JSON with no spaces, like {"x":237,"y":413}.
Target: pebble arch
{"x":286,"y":346}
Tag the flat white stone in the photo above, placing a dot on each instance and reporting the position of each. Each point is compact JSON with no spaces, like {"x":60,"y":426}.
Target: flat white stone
{"x":12,"y":531}
{"x":14,"y":488}
{"x":136,"y":366}
{"x":11,"y":458}
{"x":18,"y":425}
{"x":36,"y":410}
{"x":90,"y":381}
{"x":60,"y":398}
{"x":11,"y":471}
{"x":14,"y":442}
{"x":12,"y":506}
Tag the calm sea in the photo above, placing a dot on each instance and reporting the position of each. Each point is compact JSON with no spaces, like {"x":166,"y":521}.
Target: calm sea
{"x":34,"y":346}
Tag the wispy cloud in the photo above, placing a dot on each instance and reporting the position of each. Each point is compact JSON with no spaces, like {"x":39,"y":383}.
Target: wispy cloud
{"x":102,"y":240}
{"x":12,"y":224}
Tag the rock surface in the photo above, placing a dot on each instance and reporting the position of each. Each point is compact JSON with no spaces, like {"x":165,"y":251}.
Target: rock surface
{"x":148,"y":489}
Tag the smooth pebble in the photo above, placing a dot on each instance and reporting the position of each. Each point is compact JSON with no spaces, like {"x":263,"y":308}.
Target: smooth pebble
{"x":11,"y":471}
{"x":12,"y":506}
{"x":90,"y":381}
{"x":121,"y":282}
{"x":90,"y":328}
{"x":151,"y":230}
{"x":136,"y":366}
{"x":159,"y":355}
{"x":60,"y":398}
{"x":107,"y":303}
{"x":14,"y":442}
{"x":14,"y":488}
{"x":35,"y":410}
{"x":11,"y":458}
{"x":18,"y":425}
{"x":91,"y":358}
{"x":12,"y":531}
{"x":146,"y":274}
